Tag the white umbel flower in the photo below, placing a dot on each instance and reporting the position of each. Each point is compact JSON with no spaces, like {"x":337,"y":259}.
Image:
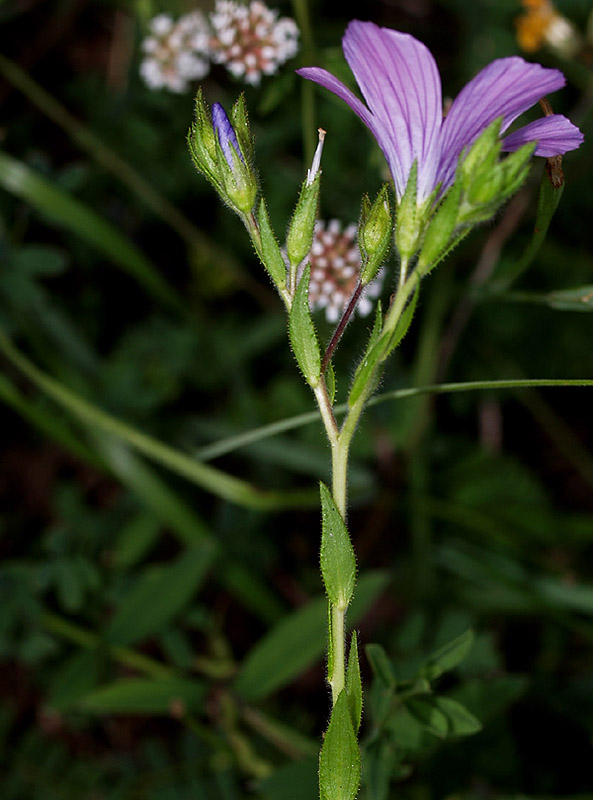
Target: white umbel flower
{"x":335,"y":268}
{"x":176,"y":53}
{"x":250,"y":40}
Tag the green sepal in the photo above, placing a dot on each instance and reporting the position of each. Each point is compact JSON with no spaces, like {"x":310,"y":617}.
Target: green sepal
{"x":515,"y":168}
{"x":440,"y":229}
{"x":354,"y":684}
{"x":482,"y":154}
{"x":271,"y":255}
{"x":339,"y":760}
{"x":302,"y":224}
{"x":365,"y":368}
{"x":337,"y":559}
{"x":240,"y":123}
{"x":239,"y":184}
{"x":374,"y":234}
{"x":330,"y":382}
{"x":202,"y":142}
{"x":407,"y":224}
{"x":303,"y":337}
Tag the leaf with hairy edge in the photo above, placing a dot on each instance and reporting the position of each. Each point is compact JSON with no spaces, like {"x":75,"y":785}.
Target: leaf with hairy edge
{"x":273,"y":259}
{"x":338,"y":563}
{"x":302,"y":332}
{"x":339,"y":762}
{"x":354,"y":684}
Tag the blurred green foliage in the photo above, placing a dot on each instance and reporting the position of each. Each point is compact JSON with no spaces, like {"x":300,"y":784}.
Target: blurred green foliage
{"x":161,"y":619}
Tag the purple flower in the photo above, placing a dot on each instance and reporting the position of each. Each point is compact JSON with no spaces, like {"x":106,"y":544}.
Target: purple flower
{"x":400,"y":82}
{"x":226,"y":134}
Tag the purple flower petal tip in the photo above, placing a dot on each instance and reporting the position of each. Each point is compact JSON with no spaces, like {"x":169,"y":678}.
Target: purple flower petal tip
{"x":226,"y":133}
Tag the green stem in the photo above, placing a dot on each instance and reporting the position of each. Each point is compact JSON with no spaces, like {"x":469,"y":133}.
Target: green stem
{"x":337,"y":679}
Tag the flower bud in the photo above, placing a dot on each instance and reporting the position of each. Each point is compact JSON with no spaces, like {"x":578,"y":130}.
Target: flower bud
{"x":217,"y":152}
{"x":374,"y":234}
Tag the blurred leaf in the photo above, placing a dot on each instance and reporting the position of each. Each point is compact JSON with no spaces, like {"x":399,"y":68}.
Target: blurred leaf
{"x":580,"y":299}
{"x":159,"y":595}
{"x":40,"y":260}
{"x":208,"y":477}
{"x":172,"y":696}
{"x":461,"y":721}
{"x":135,"y":540}
{"x":293,"y":781}
{"x":427,"y":713}
{"x":298,"y":641}
{"x":448,"y":656}
{"x":72,"y":214}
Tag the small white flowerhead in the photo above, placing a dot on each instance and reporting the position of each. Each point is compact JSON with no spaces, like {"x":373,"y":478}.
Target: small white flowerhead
{"x":250,"y":40}
{"x":335,"y":269}
{"x":176,"y":53}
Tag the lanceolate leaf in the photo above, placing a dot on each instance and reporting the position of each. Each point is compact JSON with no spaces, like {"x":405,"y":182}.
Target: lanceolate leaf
{"x":302,"y":332}
{"x":272,"y":255}
{"x":354,"y":684}
{"x":339,"y":762}
{"x":338,"y":563}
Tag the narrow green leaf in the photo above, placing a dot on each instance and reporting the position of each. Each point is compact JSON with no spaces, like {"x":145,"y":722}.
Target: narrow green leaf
{"x":339,"y":761}
{"x":70,"y":213}
{"x":302,"y":332}
{"x":298,"y":641}
{"x":580,"y":299}
{"x":173,"y":696}
{"x":448,"y":656}
{"x":273,"y":260}
{"x":461,"y":722}
{"x":160,"y":594}
{"x":337,"y":559}
{"x":209,"y":478}
{"x":354,"y":684}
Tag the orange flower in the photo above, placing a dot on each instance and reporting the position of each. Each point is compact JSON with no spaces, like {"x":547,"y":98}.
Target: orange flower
{"x":542,"y":24}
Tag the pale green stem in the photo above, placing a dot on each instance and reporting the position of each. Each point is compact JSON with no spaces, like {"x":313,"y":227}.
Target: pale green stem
{"x":337,"y":680}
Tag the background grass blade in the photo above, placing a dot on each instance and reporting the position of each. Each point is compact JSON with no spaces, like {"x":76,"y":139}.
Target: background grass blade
{"x":71,"y":214}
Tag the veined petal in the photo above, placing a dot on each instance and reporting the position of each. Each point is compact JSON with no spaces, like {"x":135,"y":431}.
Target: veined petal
{"x":400,"y":82}
{"x":554,"y":135}
{"x":329,"y":81}
{"x":505,"y":88}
